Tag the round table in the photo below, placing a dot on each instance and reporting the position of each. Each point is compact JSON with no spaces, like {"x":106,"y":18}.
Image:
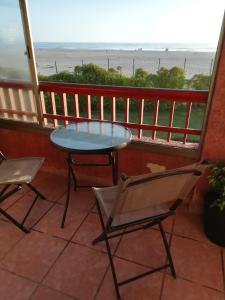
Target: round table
{"x":92,"y":137}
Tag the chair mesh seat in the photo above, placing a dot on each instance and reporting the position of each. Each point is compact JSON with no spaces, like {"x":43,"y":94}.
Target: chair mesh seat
{"x":107,"y":197}
{"x":19,"y":171}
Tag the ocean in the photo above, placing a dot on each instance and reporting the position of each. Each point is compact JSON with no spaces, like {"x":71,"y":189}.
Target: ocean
{"x":192,"y":47}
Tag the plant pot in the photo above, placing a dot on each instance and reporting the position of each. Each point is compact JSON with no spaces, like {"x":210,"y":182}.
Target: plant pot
{"x":214,"y":220}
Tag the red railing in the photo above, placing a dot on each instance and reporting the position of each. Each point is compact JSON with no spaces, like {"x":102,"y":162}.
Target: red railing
{"x":63,"y":103}
{"x":142,"y":96}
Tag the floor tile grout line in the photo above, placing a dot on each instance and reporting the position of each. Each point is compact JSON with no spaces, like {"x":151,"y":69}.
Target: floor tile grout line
{"x":162,"y":284}
{"x":199,"y":284}
{"x":51,"y":288}
{"x":185,"y":237}
{"x":19,"y":240}
{"x":17,"y":275}
{"x":101,"y":282}
{"x":78,"y":228}
{"x":134,"y":262}
{"x":11,"y":248}
{"x":193,"y":239}
{"x":89,"y":247}
{"x":54,"y":262}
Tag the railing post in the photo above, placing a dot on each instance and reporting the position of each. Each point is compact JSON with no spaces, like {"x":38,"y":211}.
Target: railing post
{"x":127,"y":110}
{"x":88,"y":105}
{"x":187,"y":119}
{"x":76,"y":105}
{"x":155,"y":117}
{"x":141,"y":112}
{"x":172,"y":104}
{"x":113,"y":109}
{"x":101,"y":108}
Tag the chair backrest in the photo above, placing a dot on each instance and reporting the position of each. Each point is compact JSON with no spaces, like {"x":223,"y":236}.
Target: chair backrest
{"x":143,"y":191}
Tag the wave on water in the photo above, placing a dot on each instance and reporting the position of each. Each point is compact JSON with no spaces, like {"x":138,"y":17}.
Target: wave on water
{"x":192,"y":47}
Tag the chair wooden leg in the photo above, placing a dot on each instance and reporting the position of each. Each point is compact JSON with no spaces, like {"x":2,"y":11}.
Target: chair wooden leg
{"x":167,"y":248}
{"x":104,"y":236}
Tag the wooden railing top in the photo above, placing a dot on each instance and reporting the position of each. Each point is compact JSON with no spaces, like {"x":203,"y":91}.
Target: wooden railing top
{"x":15,"y":84}
{"x":121,"y":91}
{"x":113,"y":91}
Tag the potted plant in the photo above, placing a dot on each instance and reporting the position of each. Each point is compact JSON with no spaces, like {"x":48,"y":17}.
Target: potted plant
{"x":214,"y":205}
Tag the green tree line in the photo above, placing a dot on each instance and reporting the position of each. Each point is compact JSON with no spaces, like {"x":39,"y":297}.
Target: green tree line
{"x":173,"y":78}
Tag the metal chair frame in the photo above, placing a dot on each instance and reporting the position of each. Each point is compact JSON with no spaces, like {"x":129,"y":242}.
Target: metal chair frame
{"x":109,"y":231}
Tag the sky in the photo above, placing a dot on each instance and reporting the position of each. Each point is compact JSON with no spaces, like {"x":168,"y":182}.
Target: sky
{"x":122,"y":21}
{"x":134,"y":21}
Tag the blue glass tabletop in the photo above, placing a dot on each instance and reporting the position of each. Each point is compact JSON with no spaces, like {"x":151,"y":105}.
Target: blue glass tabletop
{"x":91,"y":136}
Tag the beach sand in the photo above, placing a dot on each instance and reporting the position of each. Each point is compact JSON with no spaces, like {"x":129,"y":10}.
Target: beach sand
{"x":48,"y":60}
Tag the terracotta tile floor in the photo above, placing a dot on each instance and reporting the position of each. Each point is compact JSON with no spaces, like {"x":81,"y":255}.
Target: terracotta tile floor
{"x":52,"y":263}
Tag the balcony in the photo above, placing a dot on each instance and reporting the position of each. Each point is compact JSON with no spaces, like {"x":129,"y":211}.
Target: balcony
{"x":55,"y":263}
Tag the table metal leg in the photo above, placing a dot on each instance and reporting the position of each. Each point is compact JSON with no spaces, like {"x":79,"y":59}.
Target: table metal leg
{"x":73,"y":175}
{"x":114,"y":162}
{"x":70,"y":172}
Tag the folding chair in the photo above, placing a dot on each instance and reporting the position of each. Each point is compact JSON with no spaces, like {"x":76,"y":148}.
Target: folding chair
{"x":144,"y":200}
{"x":15,"y":173}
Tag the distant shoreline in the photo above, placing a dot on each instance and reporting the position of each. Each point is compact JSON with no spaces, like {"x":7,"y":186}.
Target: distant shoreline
{"x":192,"y":47}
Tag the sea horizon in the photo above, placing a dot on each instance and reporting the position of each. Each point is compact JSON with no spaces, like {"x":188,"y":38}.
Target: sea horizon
{"x":192,"y":47}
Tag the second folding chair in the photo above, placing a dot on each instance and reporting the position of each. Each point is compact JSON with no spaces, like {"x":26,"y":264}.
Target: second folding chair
{"x":143,"y":200}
